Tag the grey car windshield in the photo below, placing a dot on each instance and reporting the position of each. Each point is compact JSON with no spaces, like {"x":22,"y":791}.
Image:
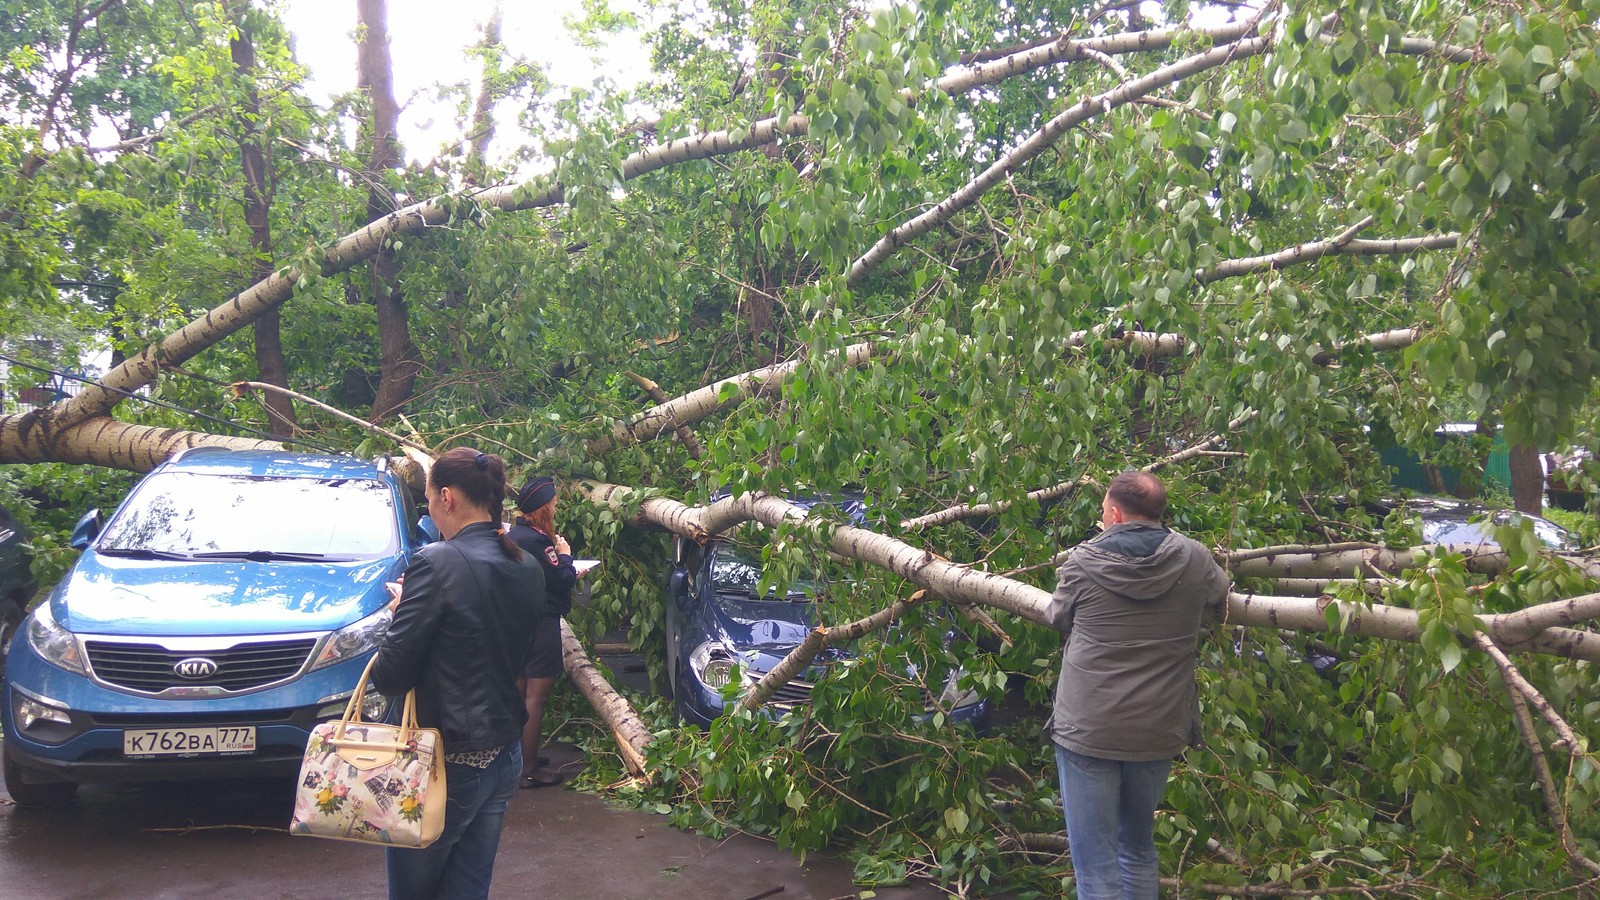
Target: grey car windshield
{"x":736,"y":568}
{"x":198,"y":514}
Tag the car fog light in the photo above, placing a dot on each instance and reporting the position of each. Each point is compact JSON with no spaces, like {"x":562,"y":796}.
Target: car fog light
{"x":374,"y":706}
{"x":30,"y":712}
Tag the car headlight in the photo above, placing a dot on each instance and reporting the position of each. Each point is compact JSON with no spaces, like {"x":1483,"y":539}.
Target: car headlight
{"x":354,"y":639}
{"x":712,"y":662}
{"x":55,"y":644}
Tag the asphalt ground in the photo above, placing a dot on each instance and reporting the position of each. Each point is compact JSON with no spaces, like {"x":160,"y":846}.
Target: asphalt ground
{"x":226,"y":839}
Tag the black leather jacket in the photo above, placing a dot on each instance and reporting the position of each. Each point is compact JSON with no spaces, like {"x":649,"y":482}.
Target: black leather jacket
{"x":461,"y":636}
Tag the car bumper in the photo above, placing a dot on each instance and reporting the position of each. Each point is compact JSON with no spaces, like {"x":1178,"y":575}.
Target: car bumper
{"x":89,"y":747}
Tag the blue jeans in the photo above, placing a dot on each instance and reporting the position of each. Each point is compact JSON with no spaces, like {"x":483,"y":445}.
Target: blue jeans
{"x":460,"y":863}
{"x":1110,"y":809}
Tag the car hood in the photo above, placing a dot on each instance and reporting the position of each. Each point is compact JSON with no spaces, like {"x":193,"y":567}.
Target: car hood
{"x":112,"y":596}
{"x":770,"y":625}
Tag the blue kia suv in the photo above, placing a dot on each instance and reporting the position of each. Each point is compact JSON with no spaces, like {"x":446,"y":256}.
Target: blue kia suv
{"x":226,"y":607}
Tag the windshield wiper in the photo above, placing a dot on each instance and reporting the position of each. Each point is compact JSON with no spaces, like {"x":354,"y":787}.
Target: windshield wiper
{"x":770,"y":596}
{"x":265,"y":556}
{"x":141,"y":553}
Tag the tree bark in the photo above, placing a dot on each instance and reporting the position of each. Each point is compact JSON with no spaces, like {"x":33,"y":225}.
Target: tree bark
{"x":631,"y":735}
{"x":481,"y":130}
{"x":1527,"y":480}
{"x":1541,"y":629}
{"x":270,"y":363}
{"x":398,"y":360}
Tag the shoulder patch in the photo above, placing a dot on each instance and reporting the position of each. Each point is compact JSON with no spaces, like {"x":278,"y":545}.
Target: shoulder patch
{"x":551,"y":554}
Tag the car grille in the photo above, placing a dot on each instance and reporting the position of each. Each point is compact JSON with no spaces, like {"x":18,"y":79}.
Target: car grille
{"x":148,"y":667}
{"x":794,"y":693}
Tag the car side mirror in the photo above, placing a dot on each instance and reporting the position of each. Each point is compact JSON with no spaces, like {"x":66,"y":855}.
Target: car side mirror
{"x":428,"y":530}
{"x":678,"y":585}
{"x":87,"y":529}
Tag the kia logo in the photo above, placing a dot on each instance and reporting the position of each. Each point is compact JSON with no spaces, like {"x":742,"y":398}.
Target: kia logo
{"x":195,"y":667}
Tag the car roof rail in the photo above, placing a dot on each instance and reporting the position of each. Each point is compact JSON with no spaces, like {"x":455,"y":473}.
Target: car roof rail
{"x":383,"y":465}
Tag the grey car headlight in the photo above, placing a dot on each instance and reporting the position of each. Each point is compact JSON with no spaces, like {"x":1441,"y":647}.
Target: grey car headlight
{"x":354,"y":639}
{"x":54,"y":643}
{"x":712,"y":662}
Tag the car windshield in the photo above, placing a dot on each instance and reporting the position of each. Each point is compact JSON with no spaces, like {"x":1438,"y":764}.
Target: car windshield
{"x":254,"y":517}
{"x":1464,"y":531}
{"x":736,"y":569}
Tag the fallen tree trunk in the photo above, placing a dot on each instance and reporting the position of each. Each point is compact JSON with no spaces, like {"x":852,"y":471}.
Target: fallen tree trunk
{"x":1540,"y":629}
{"x":614,"y":709}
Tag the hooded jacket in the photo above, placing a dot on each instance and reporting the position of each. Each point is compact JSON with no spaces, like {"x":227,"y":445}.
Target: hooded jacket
{"x":1130,"y":603}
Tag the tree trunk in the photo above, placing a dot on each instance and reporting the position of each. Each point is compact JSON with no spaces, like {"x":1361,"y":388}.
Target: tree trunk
{"x":631,"y":736}
{"x":257,"y":216}
{"x":1541,"y":629}
{"x":481,"y":130}
{"x":398,"y":361}
{"x":1527,"y":480}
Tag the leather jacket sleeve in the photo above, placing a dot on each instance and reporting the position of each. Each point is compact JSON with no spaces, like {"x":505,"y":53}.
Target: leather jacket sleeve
{"x":412,"y":632}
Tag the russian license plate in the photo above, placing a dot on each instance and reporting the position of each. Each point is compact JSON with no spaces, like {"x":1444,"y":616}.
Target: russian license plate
{"x":142,"y":743}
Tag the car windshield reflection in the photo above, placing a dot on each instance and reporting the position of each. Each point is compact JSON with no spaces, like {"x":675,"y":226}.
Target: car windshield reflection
{"x":187,"y":514}
{"x":736,"y":569}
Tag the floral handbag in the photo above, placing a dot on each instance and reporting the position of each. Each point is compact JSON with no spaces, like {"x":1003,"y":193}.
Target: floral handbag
{"x":365,"y":781}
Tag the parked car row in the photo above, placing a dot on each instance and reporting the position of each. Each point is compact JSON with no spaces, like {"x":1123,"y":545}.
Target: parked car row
{"x":232,"y":600}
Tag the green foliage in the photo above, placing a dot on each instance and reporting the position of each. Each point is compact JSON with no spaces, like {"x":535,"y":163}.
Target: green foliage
{"x":49,"y":498}
{"x":998,"y":368}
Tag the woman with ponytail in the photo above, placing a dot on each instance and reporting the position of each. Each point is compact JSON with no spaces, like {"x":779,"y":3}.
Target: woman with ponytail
{"x":460,"y":637}
{"x":535,"y":532}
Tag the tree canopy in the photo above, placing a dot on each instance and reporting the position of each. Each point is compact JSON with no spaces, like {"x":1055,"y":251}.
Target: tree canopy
{"x":968,"y":258}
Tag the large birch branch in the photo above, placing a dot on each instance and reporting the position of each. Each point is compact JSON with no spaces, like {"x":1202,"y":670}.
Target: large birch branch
{"x":107,"y":442}
{"x":1580,"y":863}
{"x":1536,"y":629}
{"x":699,"y":404}
{"x":614,"y":709}
{"x":360,"y":245}
{"x":1342,"y":244}
{"x":1078,"y":113}
{"x":686,"y":437}
{"x":819,"y":639}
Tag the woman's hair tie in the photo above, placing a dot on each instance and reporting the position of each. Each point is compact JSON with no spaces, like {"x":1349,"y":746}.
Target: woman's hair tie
{"x":482,"y":462}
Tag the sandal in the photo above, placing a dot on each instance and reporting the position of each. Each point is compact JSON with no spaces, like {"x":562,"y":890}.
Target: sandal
{"x":541,"y":779}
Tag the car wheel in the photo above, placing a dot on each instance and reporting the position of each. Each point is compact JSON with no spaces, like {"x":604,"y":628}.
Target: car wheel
{"x":33,"y":796}
{"x":10,"y":621}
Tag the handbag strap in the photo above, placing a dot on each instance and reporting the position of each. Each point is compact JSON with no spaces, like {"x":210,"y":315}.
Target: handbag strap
{"x":352,"y":709}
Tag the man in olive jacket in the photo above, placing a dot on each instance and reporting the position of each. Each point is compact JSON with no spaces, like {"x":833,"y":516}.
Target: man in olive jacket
{"x":1130,"y":603}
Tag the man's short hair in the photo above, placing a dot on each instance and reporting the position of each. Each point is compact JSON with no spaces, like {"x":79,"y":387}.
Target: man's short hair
{"x":1139,"y":494}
